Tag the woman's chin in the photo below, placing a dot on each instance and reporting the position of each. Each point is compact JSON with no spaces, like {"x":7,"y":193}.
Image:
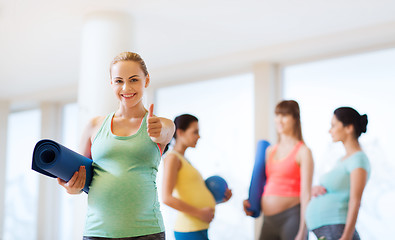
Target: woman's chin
{"x":129,"y":104}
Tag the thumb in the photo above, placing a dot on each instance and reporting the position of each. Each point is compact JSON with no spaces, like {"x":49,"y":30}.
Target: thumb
{"x":151,"y":110}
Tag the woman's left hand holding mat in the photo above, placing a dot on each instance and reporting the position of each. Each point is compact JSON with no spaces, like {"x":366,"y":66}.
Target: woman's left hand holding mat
{"x":76,"y":183}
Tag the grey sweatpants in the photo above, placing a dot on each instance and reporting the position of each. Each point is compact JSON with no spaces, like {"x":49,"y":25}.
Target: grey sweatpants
{"x":157,"y":236}
{"x":331,"y":232}
{"x":281,"y":226}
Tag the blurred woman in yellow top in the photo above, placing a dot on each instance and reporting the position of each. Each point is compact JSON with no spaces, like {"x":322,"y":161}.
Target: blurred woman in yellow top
{"x":195,"y":203}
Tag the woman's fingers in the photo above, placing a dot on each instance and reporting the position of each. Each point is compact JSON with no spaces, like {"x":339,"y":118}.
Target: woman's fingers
{"x":317,"y":191}
{"x":228,"y":194}
{"x":76,"y":183}
{"x":246,"y":205}
{"x":207,"y":214}
{"x":81,"y":177}
{"x":73,"y":180}
{"x":154,"y":125}
{"x":62,"y":182}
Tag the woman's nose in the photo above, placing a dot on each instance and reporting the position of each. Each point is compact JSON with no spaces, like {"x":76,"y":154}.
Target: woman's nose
{"x":125,"y":86}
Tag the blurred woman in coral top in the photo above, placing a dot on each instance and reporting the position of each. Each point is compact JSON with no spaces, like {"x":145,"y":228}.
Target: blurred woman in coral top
{"x":289,"y":172}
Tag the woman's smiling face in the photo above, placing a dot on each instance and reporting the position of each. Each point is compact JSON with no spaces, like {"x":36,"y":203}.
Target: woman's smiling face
{"x":128,"y":82}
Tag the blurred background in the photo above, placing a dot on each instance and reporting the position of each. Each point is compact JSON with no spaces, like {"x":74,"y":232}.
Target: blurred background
{"x":227,"y":62}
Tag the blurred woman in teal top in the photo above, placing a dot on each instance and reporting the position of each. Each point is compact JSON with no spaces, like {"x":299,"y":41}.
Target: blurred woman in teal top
{"x":125,"y":147}
{"x":333,"y":210}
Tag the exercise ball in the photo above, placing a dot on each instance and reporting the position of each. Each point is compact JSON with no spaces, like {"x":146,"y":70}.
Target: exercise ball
{"x":217,"y":186}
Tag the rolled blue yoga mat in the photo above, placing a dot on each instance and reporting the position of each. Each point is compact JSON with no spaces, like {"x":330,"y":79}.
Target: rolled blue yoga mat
{"x":258,"y":179}
{"x":54,"y":160}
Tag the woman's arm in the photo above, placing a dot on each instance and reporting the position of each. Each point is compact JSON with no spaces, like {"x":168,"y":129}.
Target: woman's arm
{"x":358,"y":179}
{"x":306,"y":174}
{"x":87,"y":136}
{"x":167,"y":132}
{"x":161,"y":130}
{"x":77,"y":182}
{"x":171,"y":167}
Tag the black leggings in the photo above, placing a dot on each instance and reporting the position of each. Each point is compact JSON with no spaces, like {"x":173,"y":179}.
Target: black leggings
{"x":156,"y":236}
{"x":331,"y":232}
{"x":281,"y":226}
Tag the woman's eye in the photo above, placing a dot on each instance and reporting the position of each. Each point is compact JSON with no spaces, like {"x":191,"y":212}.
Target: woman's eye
{"x":134,"y":80}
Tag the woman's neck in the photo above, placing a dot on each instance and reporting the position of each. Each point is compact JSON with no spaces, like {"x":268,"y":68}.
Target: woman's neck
{"x":137,"y":111}
{"x":180,"y":148}
{"x":351,"y":145}
{"x":287,"y":139}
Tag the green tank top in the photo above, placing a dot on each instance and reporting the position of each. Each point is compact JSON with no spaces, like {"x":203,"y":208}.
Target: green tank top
{"x":123,"y":198}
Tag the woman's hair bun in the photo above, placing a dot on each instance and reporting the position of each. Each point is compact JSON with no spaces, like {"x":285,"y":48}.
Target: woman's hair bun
{"x":364,"y":122}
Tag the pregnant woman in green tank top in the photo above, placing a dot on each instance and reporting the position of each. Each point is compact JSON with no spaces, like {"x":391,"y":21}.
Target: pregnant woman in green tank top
{"x":125,"y":147}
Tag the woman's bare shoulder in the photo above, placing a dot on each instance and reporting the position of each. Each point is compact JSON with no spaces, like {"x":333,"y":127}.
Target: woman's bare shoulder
{"x":304,"y":150}
{"x":93,"y":126}
{"x":170,"y":156}
{"x":97,"y":121}
{"x":172,"y":160}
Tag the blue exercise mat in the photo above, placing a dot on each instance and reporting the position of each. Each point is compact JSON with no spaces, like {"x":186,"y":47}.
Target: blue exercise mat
{"x":258,"y":179}
{"x":54,"y":160}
